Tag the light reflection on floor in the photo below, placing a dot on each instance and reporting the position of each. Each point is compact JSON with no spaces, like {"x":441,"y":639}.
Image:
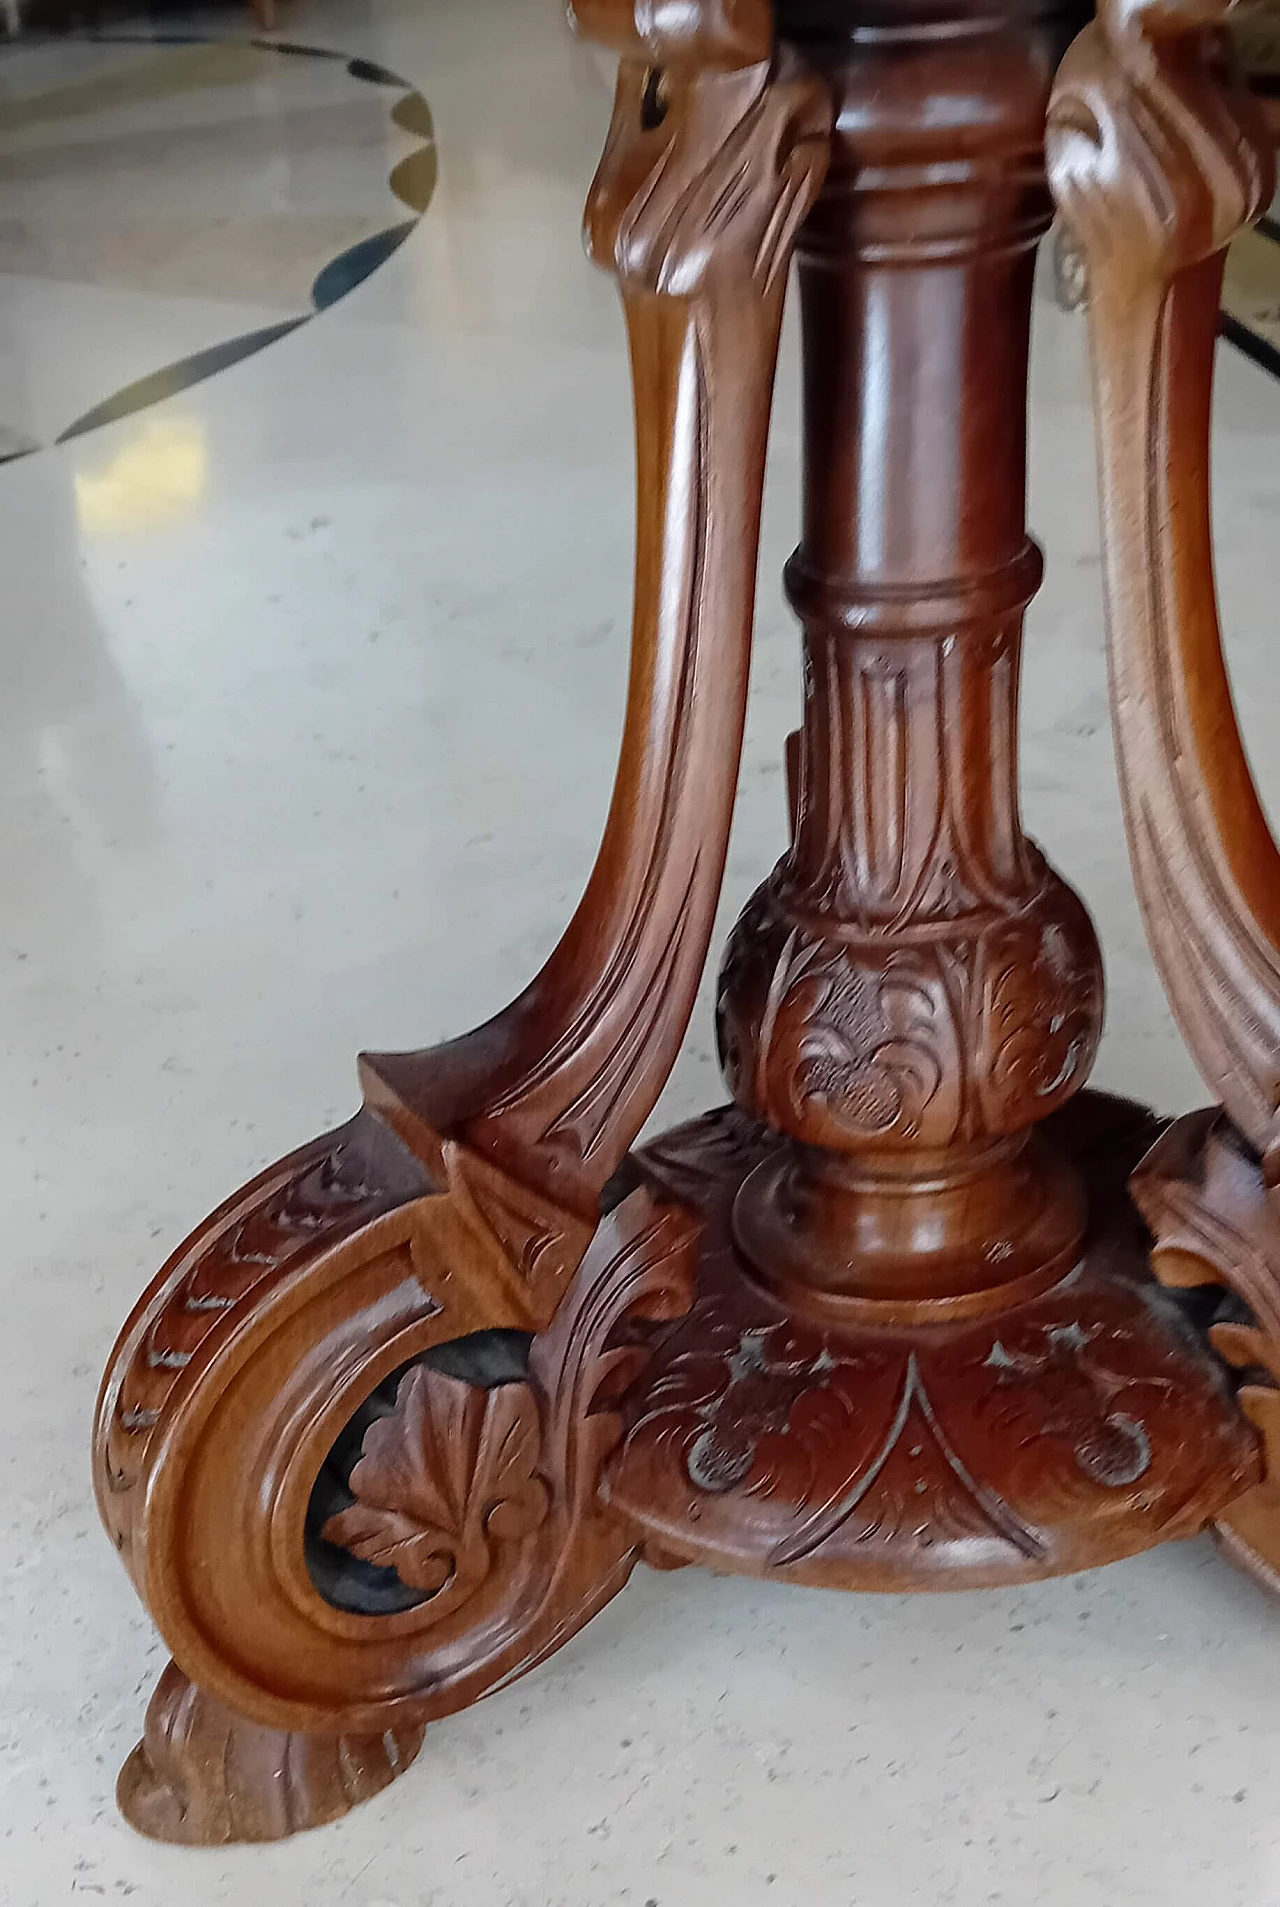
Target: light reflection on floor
{"x":310,"y":690}
{"x":154,"y":192}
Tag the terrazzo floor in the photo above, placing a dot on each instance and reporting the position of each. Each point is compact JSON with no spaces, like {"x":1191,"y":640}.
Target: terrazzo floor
{"x":312,"y":674}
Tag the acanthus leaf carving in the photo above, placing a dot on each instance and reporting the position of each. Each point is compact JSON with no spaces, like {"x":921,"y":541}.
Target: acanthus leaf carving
{"x":872,"y":1048}
{"x":448,"y":1476}
{"x":504,"y":1141}
{"x":475,"y":1495}
{"x":1215,"y":1221}
{"x":1085,"y":1420}
{"x":1076,"y":1395}
{"x":1042,"y":1003}
{"x":925,"y":1007}
{"x":1155,"y":160}
{"x":865,"y":1039}
{"x":300,"y":1209}
{"x":511,"y":1245}
{"x":584,"y":1362}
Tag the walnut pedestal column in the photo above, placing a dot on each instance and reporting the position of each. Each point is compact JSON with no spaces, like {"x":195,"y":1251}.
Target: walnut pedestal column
{"x":405,"y":1412}
{"x":914,"y":990}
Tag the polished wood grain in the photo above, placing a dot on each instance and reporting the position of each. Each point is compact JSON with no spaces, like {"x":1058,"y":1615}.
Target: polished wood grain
{"x":914,"y":989}
{"x":466,"y":1198}
{"x":406,"y":1411}
{"x":706,"y":175}
{"x":856,"y":1450}
{"x":1157,"y":165}
{"x":1158,"y":161}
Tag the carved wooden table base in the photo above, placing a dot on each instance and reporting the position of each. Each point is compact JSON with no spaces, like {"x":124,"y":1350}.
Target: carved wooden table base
{"x":404,"y":1413}
{"x":1043,"y":1436}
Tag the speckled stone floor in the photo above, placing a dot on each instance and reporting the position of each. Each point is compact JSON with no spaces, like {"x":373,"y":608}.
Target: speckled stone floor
{"x":311,"y":681}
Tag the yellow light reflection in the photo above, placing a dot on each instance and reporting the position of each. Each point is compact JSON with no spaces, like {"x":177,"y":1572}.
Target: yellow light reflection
{"x":160,"y":474}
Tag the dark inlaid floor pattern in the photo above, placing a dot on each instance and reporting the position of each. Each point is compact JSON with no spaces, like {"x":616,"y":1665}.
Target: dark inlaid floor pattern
{"x":412,"y":181}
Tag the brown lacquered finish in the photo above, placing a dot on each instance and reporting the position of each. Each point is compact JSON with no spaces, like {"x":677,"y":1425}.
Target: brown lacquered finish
{"x":1061,"y":1431}
{"x":404,"y":1413}
{"x":1158,"y":163}
{"x":914,"y":989}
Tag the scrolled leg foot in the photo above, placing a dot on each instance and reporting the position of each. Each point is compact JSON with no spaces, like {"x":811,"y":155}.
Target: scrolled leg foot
{"x":1216,"y":1221}
{"x":203,"y":1776}
{"x":355,"y":1488}
{"x":350,"y":1443}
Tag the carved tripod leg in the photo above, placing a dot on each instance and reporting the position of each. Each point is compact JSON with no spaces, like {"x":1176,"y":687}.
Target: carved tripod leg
{"x":1157,"y":162}
{"x":348,"y":1442}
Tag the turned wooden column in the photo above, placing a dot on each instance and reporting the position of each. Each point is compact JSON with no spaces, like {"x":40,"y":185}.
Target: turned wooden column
{"x":914,"y":989}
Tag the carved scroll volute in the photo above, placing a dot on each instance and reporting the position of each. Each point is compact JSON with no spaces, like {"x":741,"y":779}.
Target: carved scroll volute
{"x":708,"y":171}
{"x":1157,"y":161}
{"x":703,"y":181}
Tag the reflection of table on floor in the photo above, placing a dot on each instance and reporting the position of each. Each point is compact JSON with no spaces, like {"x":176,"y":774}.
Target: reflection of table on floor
{"x":404,"y":1413}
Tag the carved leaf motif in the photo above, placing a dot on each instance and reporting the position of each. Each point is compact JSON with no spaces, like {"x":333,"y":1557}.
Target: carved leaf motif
{"x":450,"y":1472}
{"x":871,"y":1058}
{"x":392,"y":1541}
{"x":533,"y":1245}
{"x":1078,"y":1397}
{"x":868,"y":1051}
{"x":640,"y":1269}
{"x":693,"y":1162}
{"x":1042,"y":1009}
